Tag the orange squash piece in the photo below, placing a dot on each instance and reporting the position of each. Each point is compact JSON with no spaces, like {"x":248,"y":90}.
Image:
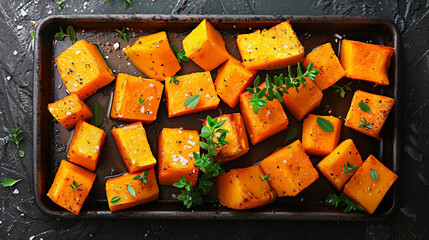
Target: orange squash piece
{"x":70,"y":110}
{"x":134,"y":147}
{"x":380,"y":107}
{"x":365,"y":61}
{"x":366,"y":191}
{"x":153,"y":56}
{"x":136,"y":99}
{"x":301,"y":103}
{"x":175,"y":155}
{"x":71,"y":186}
{"x":328,"y":64}
{"x":232,"y":79}
{"x":270,"y":120}
{"x":333,"y":165}
{"x":290,"y":170}
{"x":275,"y":48}
{"x":188,"y":85}
{"x":205,"y":46}
{"x":238,"y":145}
{"x":83,"y":69}
{"x":118,"y":187}
{"x":315,"y":140}
{"x":243,"y":188}
{"x":85,"y":145}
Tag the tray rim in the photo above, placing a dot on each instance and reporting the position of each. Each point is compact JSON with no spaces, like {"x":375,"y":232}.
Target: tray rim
{"x":239,"y":215}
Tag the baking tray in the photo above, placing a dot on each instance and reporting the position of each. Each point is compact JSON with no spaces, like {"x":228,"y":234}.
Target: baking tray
{"x":51,"y":140}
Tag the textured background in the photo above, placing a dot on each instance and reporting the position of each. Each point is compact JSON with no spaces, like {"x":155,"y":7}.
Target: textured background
{"x":20,"y":218}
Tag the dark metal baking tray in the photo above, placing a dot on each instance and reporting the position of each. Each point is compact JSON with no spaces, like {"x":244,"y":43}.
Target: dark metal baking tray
{"x":51,"y":140}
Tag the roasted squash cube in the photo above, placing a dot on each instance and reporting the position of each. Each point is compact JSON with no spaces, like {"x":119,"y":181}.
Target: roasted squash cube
{"x":205,"y":46}
{"x":368,"y":190}
{"x":369,"y":123}
{"x":275,"y":48}
{"x":232,"y":79}
{"x":315,"y":140}
{"x":85,"y":145}
{"x":365,"y":61}
{"x":128,"y":190}
{"x":236,"y":137}
{"x":83,"y":69}
{"x":328,"y":64}
{"x":290,"y":170}
{"x":334,"y":166}
{"x":71,"y":186}
{"x":243,"y":188}
{"x":136,"y":99}
{"x":134,"y":147}
{"x":70,"y":110}
{"x":175,"y":155}
{"x":301,"y":103}
{"x":270,"y":120}
{"x":199,"y":83}
{"x":153,"y":56}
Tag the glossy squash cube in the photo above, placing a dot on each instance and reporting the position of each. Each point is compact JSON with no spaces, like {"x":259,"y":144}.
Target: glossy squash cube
{"x":83,"y":69}
{"x":71,"y":186}
{"x":290,"y":170}
{"x":315,"y":140}
{"x":134,"y":148}
{"x":128,"y":190}
{"x":153,"y":56}
{"x":205,"y":46}
{"x":70,"y":110}
{"x":368,"y":189}
{"x":335,"y":166}
{"x":136,"y":99}
{"x":85,"y":145}
{"x":175,"y":155}
{"x":199,"y":83}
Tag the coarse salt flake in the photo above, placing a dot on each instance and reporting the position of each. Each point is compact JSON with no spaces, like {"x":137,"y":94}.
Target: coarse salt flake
{"x":115,"y":46}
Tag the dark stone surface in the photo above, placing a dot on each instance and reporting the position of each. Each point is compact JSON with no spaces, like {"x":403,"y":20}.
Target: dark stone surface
{"x":22,"y":219}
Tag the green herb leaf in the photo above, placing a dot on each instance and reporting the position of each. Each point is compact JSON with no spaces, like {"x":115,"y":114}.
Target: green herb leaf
{"x":140,"y":101}
{"x":265,"y":178}
{"x":123,"y":34}
{"x":325,"y":125}
{"x":60,"y":3}
{"x":75,"y":186}
{"x":350,"y":167}
{"x":33,"y":34}
{"x":364,"y":107}
{"x":98,"y":117}
{"x":373,"y":174}
{"x":21,"y":153}
{"x":341,"y":90}
{"x":9,"y":182}
{"x":181,"y":56}
{"x":142,"y":177}
{"x":71,"y":33}
{"x":115,"y":200}
{"x":14,"y":133}
{"x":344,"y":201}
{"x":364,"y":124}
{"x":60,"y":35}
{"x":131,"y":190}
{"x":174,"y":80}
{"x":192,"y":101}
{"x":291,"y":134}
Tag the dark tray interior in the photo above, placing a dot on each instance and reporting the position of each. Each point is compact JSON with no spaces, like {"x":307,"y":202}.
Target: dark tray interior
{"x":51,"y":140}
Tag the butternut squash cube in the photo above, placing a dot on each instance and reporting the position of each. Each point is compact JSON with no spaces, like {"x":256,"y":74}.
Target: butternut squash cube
{"x":367,"y":191}
{"x":71,"y":186}
{"x":290,"y":170}
{"x":134,"y":147}
{"x":199,"y":83}
{"x":232,"y":79}
{"x":315,"y":140}
{"x":83,"y":69}
{"x":335,"y":165}
{"x":270,"y":120}
{"x":130,"y":191}
{"x":365,"y":61}
{"x":205,"y":46}
{"x":136,"y":99}
{"x":85,"y":145}
{"x":379,"y":106}
{"x":175,"y":155}
{"x":153,"y":56}
{"x":328,"y":64}
{"x":236,"y":137}
{"x":275,"y":48}
{"x":243,"y":188}
{"x":301,"y":103}
{"x":70,"y":110}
